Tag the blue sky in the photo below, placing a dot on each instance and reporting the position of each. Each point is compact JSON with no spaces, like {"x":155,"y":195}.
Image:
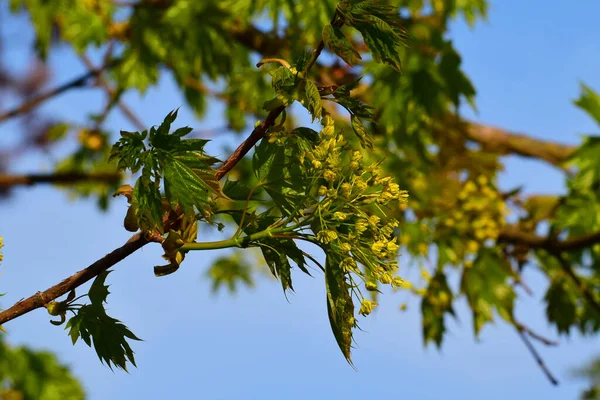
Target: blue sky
{"x":526,"y":62}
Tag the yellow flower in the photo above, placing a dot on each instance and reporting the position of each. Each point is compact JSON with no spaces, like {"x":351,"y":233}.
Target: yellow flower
{"x":366,"y":307}
{"x":378,"y":246}
{"x":472,"y":246}
{"x":386,"y":279}
{"x":340,"y":216}
{"x":392,"y":247}
{"x":374,"y":220}
{"x":360,"y":226}
{"x":328,"y":131}
{"x":345,"y":247}
{"x":361,"y":185}
{"x":327,"y":236}
{"x":356,"y":156}
{"x":482,"y":180}
{"x":322,"y":191}
{"x":317,"y":164}
{"x":354,"y":165}
{"x":329,"y":175}
{"x":371,"y":286}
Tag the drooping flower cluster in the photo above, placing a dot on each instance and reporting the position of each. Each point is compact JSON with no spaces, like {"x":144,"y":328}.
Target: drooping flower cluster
{"x":479,"y":213}
{"x":350,"y":216}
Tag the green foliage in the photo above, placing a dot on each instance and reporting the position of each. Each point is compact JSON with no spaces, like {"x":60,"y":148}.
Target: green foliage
{"x":180,"y":163}
{"x":380,"y":27}
{"x":229,"y":272}
{"x":35,"y":375}
{"x":437,"y":301}
{"x":108,"y":335}
{"x":486,"y":286}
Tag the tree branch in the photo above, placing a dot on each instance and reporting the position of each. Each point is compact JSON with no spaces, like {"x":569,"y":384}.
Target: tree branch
{"x":512,"y":234}
{"x":498,"y":140}
{"x":257,"y":134}
{"x":537,"y":356}
{"x":556,"y":248}
{"x":35,"y":101}
{"x":40,"y":299}
{"x":7,"y":181}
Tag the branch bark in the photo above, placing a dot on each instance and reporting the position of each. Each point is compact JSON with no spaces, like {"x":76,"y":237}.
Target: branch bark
{"x":512,"y":234}
{"x":40,"y":299}
{"x":498,"y":140}
{"x":7,"y":181}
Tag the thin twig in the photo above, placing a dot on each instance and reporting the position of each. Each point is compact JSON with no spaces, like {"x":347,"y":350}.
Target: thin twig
{"x":35,"y":101}
{"x":40,"y":299}
{"x":59,"y":178}
{"x":525,"y":329}
{"x":257,"y":134}
{"x":537,"y":357}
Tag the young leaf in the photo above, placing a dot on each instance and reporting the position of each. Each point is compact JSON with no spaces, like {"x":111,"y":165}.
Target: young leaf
{"x":108,"y":335}
{"x":313,"y":98}
{"x":361,"y":131}
{"x":340,"y":307}
{"x":147,"y":205}
{"x":278,"y":264}
{"x":184,"y":187}
{"x":589,"y":101}
{"x":337,"y":42}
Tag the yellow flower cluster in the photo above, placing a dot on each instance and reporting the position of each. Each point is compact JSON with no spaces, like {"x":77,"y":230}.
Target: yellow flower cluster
{"x":479,"y":213}
{"x":1,"y":246}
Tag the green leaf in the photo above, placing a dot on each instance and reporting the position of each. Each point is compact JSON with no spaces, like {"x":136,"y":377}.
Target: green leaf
{"x":561,"y":305}
{"x":278,"y":263}
{"x":486,"y":285}
{"x":228,"y":272}
{"x":340,"y":307}
{"x":361,"y":131}
{"x":235,"y":190}
{"x":184,"y":187}
{"x":314,"y":105}
{"x":436,"y":302}
{"x":586,"y":159}
{"x":283,"y":80}
{"x":108,"y":335}
{"x":99,"y":290}
{"x":380,"y":27}
{"x":589,"y":101}
{"x":147,"y":204}
{"x":337,"y":42}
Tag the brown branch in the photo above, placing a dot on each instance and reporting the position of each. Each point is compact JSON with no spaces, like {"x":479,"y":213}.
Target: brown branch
{"x":7,"y":181}
{"x":257,"y":134}
{"x":537,"y":357}
{"x":498,"y":140}
{"x":35,"y":101}
{"x":512,"y":234}
{"x":40,"y":299}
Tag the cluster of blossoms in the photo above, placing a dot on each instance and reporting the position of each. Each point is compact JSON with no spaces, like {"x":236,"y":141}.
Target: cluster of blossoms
{"x":350,"y":216}
{"x":479,"y":213}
